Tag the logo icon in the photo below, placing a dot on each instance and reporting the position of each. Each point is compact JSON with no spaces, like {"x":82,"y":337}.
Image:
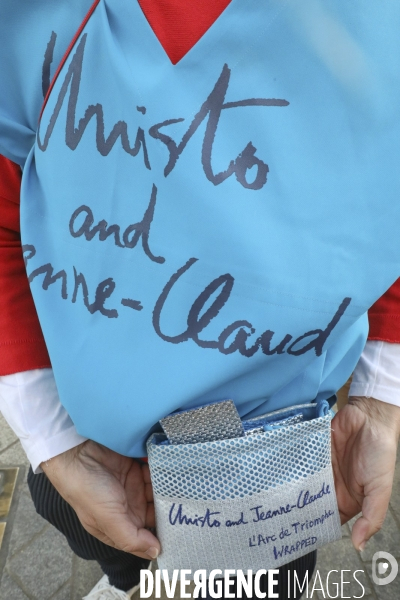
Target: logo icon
{"x":384,"y":568}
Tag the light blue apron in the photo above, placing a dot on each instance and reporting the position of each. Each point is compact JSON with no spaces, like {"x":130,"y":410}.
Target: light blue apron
{"x":217,"y":228}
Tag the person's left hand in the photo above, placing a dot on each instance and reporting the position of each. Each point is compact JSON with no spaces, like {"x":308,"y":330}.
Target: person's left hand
{"x":365,"y":435}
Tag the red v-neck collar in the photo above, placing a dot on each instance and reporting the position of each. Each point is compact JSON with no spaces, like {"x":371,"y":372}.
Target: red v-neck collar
{"x":179,"y":24}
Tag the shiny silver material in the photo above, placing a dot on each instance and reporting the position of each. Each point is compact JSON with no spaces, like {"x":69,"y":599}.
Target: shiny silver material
{"x":219,"y":421}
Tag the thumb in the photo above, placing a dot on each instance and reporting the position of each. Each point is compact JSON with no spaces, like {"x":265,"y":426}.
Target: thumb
{"x":374,"y":509}
{"x":129,"y":538}
{"x":119,"y":530}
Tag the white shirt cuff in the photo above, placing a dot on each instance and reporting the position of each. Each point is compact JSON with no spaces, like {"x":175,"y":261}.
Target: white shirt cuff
{"x":30,"y":404}
{"x":377,"y":374}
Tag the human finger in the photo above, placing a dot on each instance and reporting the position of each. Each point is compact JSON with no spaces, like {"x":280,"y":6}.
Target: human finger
{"x":374,"y":509}
{"x":126,"y":536}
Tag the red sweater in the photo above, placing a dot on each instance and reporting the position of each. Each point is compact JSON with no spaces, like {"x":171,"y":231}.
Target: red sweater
{"x":178,"y":24}
{"x":22,"y":345}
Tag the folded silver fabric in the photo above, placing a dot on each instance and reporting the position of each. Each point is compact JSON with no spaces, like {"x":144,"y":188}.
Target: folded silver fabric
{"x":218,"y":421}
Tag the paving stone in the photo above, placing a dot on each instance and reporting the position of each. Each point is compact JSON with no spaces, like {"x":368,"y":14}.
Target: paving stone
{"x":9,"y":590}
{"x":64,"y":593}
{"x":8,"y":437}
{"x":339,"y":556}
{"x":44,"y":566}
{"x":387,"y":539}
{"x":385,"y":592}
{"x":27,"y":523}
{"x":2,"y":532}
{"x":7,"y":489}
{"x":86,"y":573}
{"x":346,"y":530}
{"x":14,"y":456}
{"x":395,"y":499}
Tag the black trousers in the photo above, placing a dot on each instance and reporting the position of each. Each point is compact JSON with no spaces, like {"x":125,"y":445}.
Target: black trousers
{"x":123,"y":569}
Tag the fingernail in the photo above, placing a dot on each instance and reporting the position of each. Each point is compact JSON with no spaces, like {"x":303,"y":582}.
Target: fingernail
{"x":152,"y":552}
{"x":362,"y":546}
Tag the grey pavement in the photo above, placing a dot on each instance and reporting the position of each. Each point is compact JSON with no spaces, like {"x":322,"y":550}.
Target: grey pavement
{"x":37,"y":564}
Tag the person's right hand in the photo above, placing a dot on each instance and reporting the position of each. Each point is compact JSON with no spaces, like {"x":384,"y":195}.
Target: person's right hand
{"x":110,"y":493}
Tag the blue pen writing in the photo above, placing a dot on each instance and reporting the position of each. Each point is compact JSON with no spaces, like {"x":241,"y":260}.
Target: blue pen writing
{"x":305,"y":498}
{"x":179,"y":518}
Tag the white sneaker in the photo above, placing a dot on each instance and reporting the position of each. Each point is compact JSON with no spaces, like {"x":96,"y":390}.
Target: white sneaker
{"x":103,"y":590}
